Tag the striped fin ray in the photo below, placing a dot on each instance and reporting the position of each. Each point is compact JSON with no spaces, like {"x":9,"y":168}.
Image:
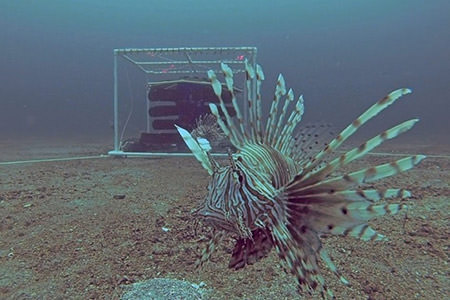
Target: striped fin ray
{"x":355,"y":125}
{"x":293,"y":120}
{"x":341,"y":217}
{"x":344,"y":212}
{"x":353,"y":220}
{"x":276,"y":137}
{"x":280,"y":91}
{"x":384,"y":170}
{"x":229,"y":129}
{"x":250,"y":75}
{"x":298,"y":251}
{"x":360,"y":151}
{"x":258,"y":102}
{"x":326,"y":206}
{"x":361,"y":231}
{"x":371,"y":195}
{"x":358,"y":177}
{"x":284,"y":141}
{"x":199,"y":153}
{"x":228,"y":73}
{"x":304,"y":235}
{"x":343,"y":204}
{"x":329,"y":263}
{"x":367,"y":211}
{"x":215,"y":111}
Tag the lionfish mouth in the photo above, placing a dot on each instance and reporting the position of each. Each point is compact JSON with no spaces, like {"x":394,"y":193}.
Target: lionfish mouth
{"x":273,"y":196}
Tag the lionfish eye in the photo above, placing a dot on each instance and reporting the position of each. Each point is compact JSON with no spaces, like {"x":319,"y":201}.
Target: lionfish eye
{"x":238,"y":175}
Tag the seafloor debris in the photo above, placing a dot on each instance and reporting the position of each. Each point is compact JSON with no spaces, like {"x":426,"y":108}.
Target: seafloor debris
{"x":165,"y":288}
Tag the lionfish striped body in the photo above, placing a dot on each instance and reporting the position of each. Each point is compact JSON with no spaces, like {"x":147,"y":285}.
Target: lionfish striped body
{"x":270,"y":195}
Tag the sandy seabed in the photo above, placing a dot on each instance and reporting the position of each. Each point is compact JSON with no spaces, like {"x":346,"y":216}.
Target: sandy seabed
{"x":85,"y":229}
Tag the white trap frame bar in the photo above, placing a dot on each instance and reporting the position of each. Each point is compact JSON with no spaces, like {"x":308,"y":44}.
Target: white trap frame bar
{"x":165,"y":66}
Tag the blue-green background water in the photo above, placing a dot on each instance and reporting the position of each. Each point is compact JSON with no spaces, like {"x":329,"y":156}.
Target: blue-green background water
{"x":56,"y":56}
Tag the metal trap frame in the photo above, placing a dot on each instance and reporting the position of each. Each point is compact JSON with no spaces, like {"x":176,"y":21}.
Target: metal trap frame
{"x":173,"y":65}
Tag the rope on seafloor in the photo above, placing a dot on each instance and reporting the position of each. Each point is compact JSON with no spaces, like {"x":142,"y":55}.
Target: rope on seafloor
{"x":5,"y":163}
{"x":403,"y":154}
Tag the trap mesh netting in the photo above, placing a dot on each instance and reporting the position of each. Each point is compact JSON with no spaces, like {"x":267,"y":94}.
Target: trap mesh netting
{"x":175,"y":89}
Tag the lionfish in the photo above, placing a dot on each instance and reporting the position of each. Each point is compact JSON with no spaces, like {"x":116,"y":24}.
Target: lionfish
{"x":270,"y":195}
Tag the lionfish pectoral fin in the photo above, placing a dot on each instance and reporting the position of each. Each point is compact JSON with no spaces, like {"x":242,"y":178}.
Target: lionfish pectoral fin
{"x":317,"y":205}
{"x":197,"y":148}
{"x":360,"y":151}
{"x":355,"y":125}
{"x":248,"y":251}
{"x":332,"y":206}
{"x":298,"y":248}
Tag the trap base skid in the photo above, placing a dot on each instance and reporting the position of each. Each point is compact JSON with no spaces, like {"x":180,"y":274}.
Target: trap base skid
{"x":156,"y":154}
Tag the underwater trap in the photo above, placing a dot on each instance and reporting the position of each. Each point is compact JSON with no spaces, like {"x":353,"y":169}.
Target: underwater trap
{"x":172,"y":88}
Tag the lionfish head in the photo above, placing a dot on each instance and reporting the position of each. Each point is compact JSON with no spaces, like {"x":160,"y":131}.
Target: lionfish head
{"x":219,"y":209}
{"x":223,"y":188}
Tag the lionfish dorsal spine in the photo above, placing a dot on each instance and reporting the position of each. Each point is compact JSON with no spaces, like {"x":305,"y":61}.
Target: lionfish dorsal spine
{"x":235,"y":136}
{"x":279,"y":126}
{"x":293,"y":120}
{"x":278,"y":131}
{"x":200,"y":154}
{"x":215,"y":111}
{"x":228,"y":73}
{"x":254,"y":132}
{"x":280,"y":90}
{"x":252,"y":109}
{"x":258,"y":102}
